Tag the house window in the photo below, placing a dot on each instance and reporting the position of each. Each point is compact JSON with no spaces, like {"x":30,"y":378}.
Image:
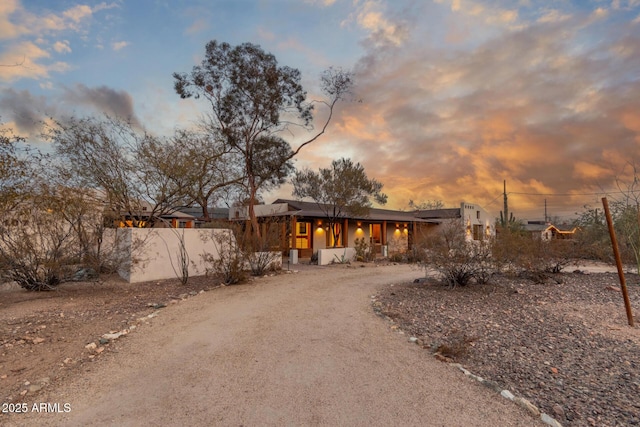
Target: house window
{"x":478,"y":232}
{"x":478,"y":214}
{"x":302,"y":235}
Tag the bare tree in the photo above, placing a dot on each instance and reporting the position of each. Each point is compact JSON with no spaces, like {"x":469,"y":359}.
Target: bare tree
{"x":118,"y":161}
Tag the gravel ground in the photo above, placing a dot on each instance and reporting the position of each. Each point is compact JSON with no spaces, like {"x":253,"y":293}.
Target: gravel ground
{"x":294,"y":349}
{"x":566,"y":347}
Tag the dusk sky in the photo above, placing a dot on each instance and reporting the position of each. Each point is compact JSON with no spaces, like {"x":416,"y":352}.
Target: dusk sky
{"x":456,"y":96}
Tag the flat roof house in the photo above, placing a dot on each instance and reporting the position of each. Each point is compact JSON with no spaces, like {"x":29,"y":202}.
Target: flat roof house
{"x":305,"y":226}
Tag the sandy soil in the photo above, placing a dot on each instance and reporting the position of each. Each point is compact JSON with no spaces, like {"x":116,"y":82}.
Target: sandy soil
{"x":294,"y":349}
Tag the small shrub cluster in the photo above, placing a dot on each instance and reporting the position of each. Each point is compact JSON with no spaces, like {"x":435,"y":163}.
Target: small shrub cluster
{"x":240,"y":254}
{"x":461,"y":262}
{"x":363,"y":250}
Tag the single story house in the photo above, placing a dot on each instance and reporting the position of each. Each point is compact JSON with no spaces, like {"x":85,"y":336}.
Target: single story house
{"x":305,"y":226}
{"x":547,"y":231}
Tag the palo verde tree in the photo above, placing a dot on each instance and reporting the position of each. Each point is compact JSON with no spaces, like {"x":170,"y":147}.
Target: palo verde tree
{"x":343,"y":189}
{"x":201,"y":164}
{"x":253,"y":100}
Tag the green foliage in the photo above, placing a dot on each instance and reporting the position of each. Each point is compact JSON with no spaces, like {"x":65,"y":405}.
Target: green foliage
{"x":248,"y":92}
{"x":342,"y":189}
{"x":363,"y":252}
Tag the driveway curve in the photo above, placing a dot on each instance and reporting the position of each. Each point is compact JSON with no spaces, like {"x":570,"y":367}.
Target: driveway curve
{"x":293,"y":349}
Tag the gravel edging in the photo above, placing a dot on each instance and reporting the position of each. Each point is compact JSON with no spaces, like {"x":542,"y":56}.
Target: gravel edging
{"x":564,"y":345}
{"x":525,"y":404}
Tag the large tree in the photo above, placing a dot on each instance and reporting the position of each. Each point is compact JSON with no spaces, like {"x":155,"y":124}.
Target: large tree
{"x":343,"y":189}
{"x":109,"y":155}
{"x":253,"y":100}
{"x":201,"y":164}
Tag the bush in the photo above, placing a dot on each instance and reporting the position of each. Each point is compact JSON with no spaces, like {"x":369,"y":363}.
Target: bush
{"x":230,"y":260}
{"x":363,"y":251}
{"x":526,"y":256}
{"x":460,"y":262}
{"x":47,"y":236}
{"x":239,"y":252}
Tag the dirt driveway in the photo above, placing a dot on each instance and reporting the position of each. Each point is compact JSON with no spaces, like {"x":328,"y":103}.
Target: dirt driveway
{"x":296,"y":349}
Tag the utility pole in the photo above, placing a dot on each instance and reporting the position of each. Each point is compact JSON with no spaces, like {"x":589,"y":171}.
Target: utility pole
{"x":545,"y":210}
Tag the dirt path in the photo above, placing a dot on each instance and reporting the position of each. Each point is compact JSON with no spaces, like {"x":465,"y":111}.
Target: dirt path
{"x":298,"y":349}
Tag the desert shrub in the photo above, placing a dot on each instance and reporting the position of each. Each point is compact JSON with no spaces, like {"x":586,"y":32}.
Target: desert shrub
{"x":396,"y":257}
{"x":240,"y":252}
{"x":258,"y":255}
{"x":460,"y":262}
{"x":47,"y":236}
{"x":363,"y":251}
{"x":521,"y":254}
{"x":229,"y":262}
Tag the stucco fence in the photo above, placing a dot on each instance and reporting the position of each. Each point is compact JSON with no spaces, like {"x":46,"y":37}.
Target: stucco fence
{"x":157,"y":254}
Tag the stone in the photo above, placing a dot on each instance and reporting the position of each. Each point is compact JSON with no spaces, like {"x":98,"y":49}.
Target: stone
{"x":558,"y":411}
{"x":113,"y":336}
{"x":34,"y":388}
{"x":507,"y":394}
{"x":92,"y":346}
{"x":413,"y":339}
{"x":528,"y":406}
{"x":492,"y":385}
{"x":548,"y":420}
{"x":38,"y":340}
{"x":554,"y":370}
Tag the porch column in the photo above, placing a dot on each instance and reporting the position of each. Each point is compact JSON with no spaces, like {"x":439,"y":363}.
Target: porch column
{"x":294,"y":227}
{"x":345,"y":233}
{"x":383,"y":238}
{"x":411,"y":235}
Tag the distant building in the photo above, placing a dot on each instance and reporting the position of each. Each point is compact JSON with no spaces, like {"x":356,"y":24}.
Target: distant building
{"x":547,"y":231}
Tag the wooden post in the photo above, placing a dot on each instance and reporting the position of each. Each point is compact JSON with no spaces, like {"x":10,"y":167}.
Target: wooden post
{"x":616,"y":253}
{"x":345,"y":233}
{"x":294,"y":230}
{"x":383,"y":238}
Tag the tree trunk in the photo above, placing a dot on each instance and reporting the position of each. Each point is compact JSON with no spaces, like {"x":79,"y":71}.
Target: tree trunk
{"x":252,"y":212}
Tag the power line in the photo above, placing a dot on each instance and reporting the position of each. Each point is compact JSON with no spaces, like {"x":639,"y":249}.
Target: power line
{"x":574,"y":194}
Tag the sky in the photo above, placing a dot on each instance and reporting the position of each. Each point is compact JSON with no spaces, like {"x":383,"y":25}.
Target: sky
{"x":452,"y":97}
